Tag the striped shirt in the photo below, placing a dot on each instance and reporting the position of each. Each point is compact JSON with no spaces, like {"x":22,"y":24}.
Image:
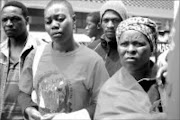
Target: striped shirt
{"x":9,"y":79}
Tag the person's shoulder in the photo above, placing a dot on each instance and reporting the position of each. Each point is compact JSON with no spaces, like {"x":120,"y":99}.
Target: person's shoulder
{"x":111,"y":83}
{"x":100,"y":50}
{"x":37,"y":41}
{"x":89,"y":53}
{"x":94,"y":44}
{"x":3,"y":44}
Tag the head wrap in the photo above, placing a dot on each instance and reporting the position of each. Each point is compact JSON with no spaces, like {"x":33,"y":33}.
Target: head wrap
{"x":116,"y":6}
{"x":144,"y":25}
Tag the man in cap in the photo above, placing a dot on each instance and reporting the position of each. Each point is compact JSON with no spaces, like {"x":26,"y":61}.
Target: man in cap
{"x":111,"y":13}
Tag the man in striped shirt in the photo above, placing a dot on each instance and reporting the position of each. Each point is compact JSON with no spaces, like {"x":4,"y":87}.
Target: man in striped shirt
{"x":13,"y":51}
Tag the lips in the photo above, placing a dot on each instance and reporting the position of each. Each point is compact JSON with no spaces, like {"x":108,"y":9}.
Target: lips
{"x":110,"y":31}
{"x":57,"y":34}
{"x":130,"y":59}
{"x":9,"y":30}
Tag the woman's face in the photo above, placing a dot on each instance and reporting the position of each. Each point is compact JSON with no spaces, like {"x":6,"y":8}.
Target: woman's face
{"x":59,"y":22}
{"x":91,"y":27}
{"x":134,"y":49}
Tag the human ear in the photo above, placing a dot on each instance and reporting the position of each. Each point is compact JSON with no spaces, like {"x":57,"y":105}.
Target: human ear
{"x":74,"y":17}
{"x":74,"y":21}
{"x":27,"y":20}
{"x":99,"y":26}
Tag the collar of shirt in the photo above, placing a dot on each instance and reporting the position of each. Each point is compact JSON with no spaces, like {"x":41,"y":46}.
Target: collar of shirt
{"x":129,"y":81}
{"x":108,"y":45}
{"x":31,"y":42}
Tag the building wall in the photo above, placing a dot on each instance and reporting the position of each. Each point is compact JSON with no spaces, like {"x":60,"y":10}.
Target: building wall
{"x":159,"y":10}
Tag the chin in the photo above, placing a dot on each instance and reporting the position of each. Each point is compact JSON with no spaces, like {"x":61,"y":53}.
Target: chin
{"x":110,"y":36}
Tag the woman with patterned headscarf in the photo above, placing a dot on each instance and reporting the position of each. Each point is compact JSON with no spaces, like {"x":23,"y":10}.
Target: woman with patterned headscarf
{"x":133,"y":92}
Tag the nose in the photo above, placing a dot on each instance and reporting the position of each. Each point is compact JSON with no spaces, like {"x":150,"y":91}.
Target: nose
{"x":9,"y":22}
{"x":110,"y":24}
{"x":87,"y":27}
{"x":55,"y":24}
{"x":131,"y":49}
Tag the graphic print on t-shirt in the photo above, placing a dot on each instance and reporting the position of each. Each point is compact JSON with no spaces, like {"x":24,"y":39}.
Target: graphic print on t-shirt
{"x":53,"y":92}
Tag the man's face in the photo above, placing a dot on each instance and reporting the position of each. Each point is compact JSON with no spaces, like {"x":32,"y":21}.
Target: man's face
{"x":59,"y":22}
{"x":134,"y":49}
{"x":13,"y":22}
{"x":110,"y":21}
{"x":91,"y":27}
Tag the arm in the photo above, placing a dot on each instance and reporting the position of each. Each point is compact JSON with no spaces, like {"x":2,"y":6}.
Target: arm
{"x":99,"y":76}
{"x":26,"y":87}
{"x":138,"y":116}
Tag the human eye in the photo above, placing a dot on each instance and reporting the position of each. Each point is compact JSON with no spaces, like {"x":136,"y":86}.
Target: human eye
{"x":105,"y":20}
{"x":4,"y":19}
{"x":116,"y":20}
{"x":47,"y":21}
{"x":124,"y":44}
{"x":139,"y":44}
{"x":60,"y":18}
{"x":15,"y":19}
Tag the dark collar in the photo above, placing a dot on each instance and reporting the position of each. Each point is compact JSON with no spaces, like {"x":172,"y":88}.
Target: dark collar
{"x":108,"y":45}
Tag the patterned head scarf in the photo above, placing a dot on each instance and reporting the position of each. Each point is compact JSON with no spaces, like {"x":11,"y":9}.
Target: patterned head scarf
{"x":144,"y":25}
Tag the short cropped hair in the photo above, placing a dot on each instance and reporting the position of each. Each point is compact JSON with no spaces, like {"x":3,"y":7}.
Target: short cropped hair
{"x":95,"y":17}
{"x":19,"y":5}
{"x":65,"y":2}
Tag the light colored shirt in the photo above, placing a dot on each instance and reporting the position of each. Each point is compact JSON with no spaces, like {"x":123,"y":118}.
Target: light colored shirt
{"x":9,"y":79}
{"x":65,"y":82}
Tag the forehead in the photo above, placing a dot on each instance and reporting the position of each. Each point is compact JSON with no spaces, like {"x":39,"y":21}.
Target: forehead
{"x":11,"y":10}
{"x":110,"y":14}
{"x":133,"y":35}
{"x":55,"y":9}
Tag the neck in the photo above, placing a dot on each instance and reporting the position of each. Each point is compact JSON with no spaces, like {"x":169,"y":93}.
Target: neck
{"x":141,"y":72}
{"x":65,"y":47}
{"x":97,"y":37}
{"x":18,"y":41}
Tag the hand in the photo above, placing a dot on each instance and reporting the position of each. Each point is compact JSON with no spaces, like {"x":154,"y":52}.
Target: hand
{"x":78,"y":115}
{"x":48,"y":116}
{"x":162,"y":74}
{"x":32,"y":113}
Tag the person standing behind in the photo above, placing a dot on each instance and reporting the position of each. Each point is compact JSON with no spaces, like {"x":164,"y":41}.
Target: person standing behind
{"x":93,"y":28}
{"x":68,"y":76}
{"x":13,"y":51}
{"x":111,"y":13}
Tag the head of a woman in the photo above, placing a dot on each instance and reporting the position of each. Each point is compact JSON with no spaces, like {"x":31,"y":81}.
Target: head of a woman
{"x":59,"y":20}
{"x":136,"y":38}
{"x":93,"y":28}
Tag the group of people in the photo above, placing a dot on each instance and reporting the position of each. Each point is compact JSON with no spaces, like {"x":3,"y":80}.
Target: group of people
{"x":112,"y":79}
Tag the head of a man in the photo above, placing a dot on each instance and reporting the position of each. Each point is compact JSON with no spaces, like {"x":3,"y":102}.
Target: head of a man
{"x":93,"y":27}
{"x":14,"y":17}
{"x":59,"y":20}
{"x":112,"y":13}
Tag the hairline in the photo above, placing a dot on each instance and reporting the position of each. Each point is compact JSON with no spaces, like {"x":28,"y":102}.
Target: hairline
{"x":64,"y":2}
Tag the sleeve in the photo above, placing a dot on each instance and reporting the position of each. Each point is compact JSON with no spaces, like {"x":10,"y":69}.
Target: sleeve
{"x":26,"y":83}
{"x":99,"y":75}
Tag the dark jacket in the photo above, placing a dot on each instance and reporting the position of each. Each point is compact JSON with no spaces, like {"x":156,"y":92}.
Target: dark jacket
{"x":108,"y":51}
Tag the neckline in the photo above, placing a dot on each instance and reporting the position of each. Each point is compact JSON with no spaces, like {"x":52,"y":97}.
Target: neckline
{"x":70,"y":53}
